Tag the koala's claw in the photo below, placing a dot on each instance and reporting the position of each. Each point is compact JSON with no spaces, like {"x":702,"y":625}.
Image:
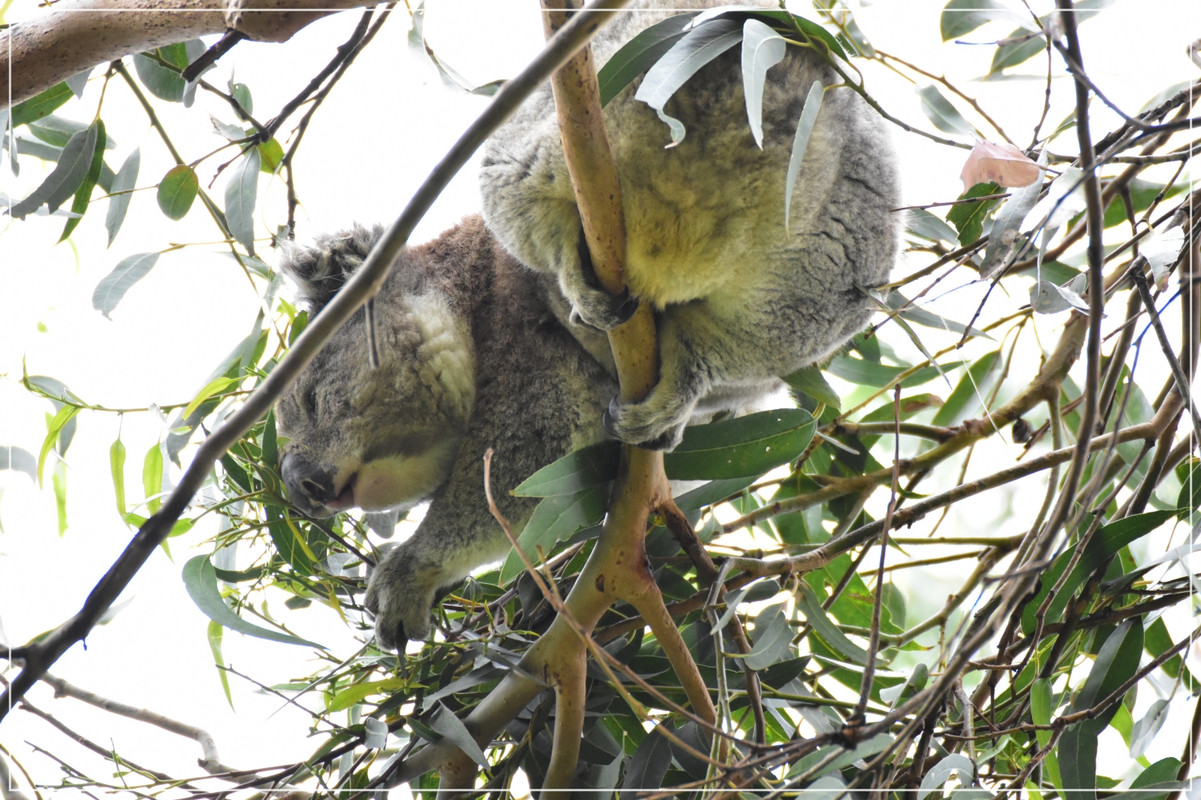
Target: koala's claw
{"x":637,"y":425}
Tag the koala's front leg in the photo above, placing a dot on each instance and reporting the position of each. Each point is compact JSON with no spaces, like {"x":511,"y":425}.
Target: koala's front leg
{"x":457,"y":536}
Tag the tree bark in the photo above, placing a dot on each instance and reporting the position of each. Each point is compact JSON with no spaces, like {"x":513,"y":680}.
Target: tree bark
{"x":79,"y":34}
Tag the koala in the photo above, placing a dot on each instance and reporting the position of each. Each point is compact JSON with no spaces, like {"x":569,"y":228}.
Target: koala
{"x":470,"y":358}
{"x":741,"y":298}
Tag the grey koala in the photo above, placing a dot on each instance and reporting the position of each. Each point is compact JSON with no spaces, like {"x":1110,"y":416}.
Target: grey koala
{"x":470,"y":359}
{"x":741,"y":298}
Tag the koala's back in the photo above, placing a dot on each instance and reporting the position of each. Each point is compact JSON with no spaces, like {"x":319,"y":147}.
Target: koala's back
{"x":701,"y":215}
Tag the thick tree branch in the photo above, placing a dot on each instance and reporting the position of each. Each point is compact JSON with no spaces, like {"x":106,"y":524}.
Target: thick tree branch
{"x":76,"y":36}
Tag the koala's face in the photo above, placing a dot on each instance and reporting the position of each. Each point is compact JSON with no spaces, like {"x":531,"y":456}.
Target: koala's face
{"x":377,"y":438}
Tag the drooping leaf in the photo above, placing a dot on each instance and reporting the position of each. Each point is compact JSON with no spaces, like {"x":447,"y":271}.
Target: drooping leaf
{"x":649,"y":764}
{"x":177,"y":190}
{"x":694,"y":50}
{"x":122,"y":192}
{"x":1146,"y":729}
{"x":825,"y":628}
{"x":969,"y":389}
{"x":152,"y":477}
{"x":939,"y":110}
{"x":449,"y":726}
{"x":67,"y":176}
{"x":112,"y":288}
{"x":800,"y":143}
{"x":83,"y":195}
{"x":200,"y":580}
{"x":1004,"y":240}
{"x":240,"y":193}
{"x":116,"y":463}
{"x":165,"y":82}
{"x":735,"y":448}
{"x":762,"y":49}
{"x":1116,"y":662}
{"x":637,"y":55}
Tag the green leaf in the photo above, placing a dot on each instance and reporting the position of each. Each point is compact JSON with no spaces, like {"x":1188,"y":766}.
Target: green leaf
{"x":1016,"y":48}
{"x":939,"y":110}
{"x":356,"y":693}
{"x":826,"y":630}
{"x":638,"y":54}
{"x":177,"y":190}
{"x":215,"y":635}
{"x":1160,"y":775}
{"x":869,"y":373}
{"x":968,"y":217}
{"x":960,"y":17}
{"x":164,"y":82}
{"x":587,"y":468}
{"x":762,"y":49}
{"x":1041,"y":706}
{"x":810,"y":381}
{"x":240,"y":194}
{"x":40,"y":105}
{"x":116,"y":463}
{"x":969,"y":392}
{"x":773,"y":639}
{"x":241,"y":93}
{"x":200,"y":579}
{"x":694,"y":50}
{"x":735,"y":448}
{"x":649,"y":763}
{"x":83,"y":195}
{"x":1146,"y":728}
{"x":936,"y":777}
{"x":1107,"y":542}
{"x":59,"y":481}
{"x":447,"y":724}
{"x":216,"y":386}
{"x":152,"y":477}
{"x":554,"y":520}
{"x":54,"y":429}
{"x":1115,"y":663}
{"x":121,"y":193}
{"x":271,"y":154}
{"x":800,"y":143}
{"x":67,"y":176}
{"x":112,"y":288}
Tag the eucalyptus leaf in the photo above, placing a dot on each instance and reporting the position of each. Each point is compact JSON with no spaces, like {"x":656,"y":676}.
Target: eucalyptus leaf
{"x":200,"y":580}
{"x":956,"y":764}
{"x":961,"y":17}
{"x":734,"y":448}
{"x":639,"y":54}
{"x":694,"y":50}
{"x":112,"y":288}
{"x":946,"y":117}
{"x":240,"y":193}
{"x":18,"y":460}
{"x":762,"y":49}
{"x":121,"y":193}
{"x":66,"y":177}
{"x":800,"y":143}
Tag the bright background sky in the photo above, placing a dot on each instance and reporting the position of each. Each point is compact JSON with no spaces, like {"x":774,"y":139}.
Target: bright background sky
{"x":370,"y":146}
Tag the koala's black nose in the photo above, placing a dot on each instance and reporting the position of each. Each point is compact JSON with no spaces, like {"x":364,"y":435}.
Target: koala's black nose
{"x":309,"y":486}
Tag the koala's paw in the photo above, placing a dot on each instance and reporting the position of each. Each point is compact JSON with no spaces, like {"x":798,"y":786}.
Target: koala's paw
{"x":400,"y":600}
{"x":596,"y":307}
{"x":646,"y":424}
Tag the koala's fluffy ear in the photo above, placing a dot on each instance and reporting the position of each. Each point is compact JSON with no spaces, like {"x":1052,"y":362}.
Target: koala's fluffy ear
{"x":320,"y":270}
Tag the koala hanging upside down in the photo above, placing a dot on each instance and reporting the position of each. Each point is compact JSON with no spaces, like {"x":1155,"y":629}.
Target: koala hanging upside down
{"x":741,"y":299}
{"x":470,"y":359}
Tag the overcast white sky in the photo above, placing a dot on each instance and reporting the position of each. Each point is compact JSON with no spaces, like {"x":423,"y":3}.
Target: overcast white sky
{"x":367,"y":150}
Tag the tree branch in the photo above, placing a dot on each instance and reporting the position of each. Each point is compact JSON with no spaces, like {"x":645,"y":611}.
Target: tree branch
{"x":76,"y":36}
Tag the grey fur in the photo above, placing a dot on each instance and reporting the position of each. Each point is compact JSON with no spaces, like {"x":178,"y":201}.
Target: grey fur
{"x":470,"y":359}
{"x":741,"y":300}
